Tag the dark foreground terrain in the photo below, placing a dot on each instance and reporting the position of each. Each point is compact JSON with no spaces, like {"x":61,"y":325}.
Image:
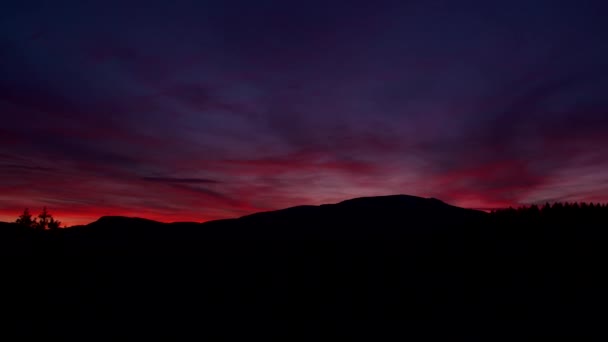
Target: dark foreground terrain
{"x":384,"y":268}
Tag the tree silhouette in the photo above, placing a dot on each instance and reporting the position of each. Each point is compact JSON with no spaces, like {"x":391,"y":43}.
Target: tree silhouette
{"x":558,"y":213}
{"x":46,"y":220}
{"x":54,"y":224}
{"x":26,"y":220}
{"x":546,"y":209}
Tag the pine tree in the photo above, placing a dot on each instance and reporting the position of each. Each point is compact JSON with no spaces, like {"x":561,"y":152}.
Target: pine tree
{"x":26,"y":220}
{"x":44,"y":219}
{"x":54,"y":224}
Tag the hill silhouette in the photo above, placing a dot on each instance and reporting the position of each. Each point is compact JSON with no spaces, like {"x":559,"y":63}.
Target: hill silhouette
{"x":366,"y":268}
{"x":361,"y":218}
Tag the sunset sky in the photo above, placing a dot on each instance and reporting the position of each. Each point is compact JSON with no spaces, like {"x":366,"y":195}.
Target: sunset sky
{"x":199,"y":110}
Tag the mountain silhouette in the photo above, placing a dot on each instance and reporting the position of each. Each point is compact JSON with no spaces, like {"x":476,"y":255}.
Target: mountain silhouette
{"x":360,"y":218}
{"x":362,"y":269}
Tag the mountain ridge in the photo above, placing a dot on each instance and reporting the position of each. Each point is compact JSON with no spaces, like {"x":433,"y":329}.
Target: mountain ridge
{"x":392,"y":200}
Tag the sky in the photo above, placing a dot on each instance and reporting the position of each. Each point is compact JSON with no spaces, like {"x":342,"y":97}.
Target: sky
{"x":201,"y":110}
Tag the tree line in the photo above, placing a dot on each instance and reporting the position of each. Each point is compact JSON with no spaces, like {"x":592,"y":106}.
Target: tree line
{"x":557,"y":209}
{"x":563,"y":218}
{"x":44,"y":220}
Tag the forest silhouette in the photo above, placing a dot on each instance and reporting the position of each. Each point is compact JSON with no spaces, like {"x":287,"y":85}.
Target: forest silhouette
{"x":363,"y":269}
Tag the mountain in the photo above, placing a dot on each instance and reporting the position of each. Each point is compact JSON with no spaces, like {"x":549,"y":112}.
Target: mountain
{"x":360,"y":218}
{"x":384,"y":217}
{"x":376,"y":268}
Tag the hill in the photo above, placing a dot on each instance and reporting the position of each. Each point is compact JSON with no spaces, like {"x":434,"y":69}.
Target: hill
{"x":361,"y":218}
{"x":362,"y":269}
